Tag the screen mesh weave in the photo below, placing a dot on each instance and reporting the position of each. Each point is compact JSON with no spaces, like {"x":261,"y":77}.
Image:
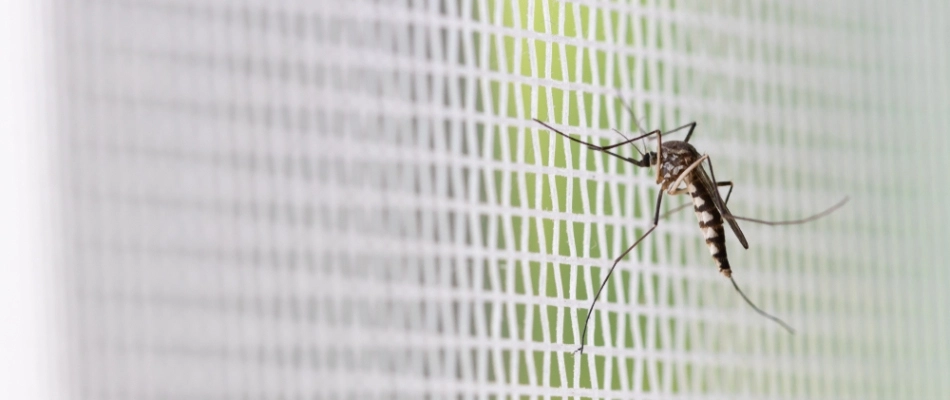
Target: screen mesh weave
{"x":349,"y":200}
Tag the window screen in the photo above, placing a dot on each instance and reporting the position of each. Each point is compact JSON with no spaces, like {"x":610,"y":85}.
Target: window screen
{"x":350,"y":200}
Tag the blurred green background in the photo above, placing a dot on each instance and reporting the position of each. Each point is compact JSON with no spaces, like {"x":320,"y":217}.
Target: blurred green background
{"x":559,"y":62}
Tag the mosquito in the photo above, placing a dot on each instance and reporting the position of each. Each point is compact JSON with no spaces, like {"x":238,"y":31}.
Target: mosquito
{"x":680,"y":171}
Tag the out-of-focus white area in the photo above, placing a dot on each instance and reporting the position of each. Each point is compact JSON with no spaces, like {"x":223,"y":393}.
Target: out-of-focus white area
{"x":349,"y":200}
{"x":29,"y":341}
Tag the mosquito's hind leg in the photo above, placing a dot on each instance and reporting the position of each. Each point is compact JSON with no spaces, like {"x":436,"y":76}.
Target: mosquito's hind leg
{"x":734,"y":217}
{"x":827,"y":211}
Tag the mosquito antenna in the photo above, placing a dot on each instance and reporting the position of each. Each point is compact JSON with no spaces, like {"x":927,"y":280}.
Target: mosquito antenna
{"x":759,"y":310}
{"x":634,"y":145}
{"x":632,"y":114}
{"x":640,"y":127}
{"x":639,"y":123}
{"x":621,"y":134}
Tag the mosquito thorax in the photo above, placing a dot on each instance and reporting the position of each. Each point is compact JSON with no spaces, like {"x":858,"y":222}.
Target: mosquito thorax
{"x":677,"y":156}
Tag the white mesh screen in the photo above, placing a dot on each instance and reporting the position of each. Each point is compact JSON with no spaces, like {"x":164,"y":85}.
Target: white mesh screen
{"x":349,"y":200}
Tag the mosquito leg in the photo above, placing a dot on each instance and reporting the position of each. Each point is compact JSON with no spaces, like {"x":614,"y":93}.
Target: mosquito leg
{"x":603,"y":284}
{"x":605,"y":149}
{"x":742,"y":239}
{"x":686,"y":172}
{"x":759,"y":310}
{"x":594,"y":146}
{"x":677,"y":192}
{"x":683,"y":206}
{"x":810,"y":218}
{"x":676,"y":210}
{"x":729,"y":193}
{"x":691,"y":125}
{"x":659,"y":157}
{"x":827,"y":211}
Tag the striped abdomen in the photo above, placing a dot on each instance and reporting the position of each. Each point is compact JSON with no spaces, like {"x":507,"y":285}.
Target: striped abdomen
{"x":710,"y":221}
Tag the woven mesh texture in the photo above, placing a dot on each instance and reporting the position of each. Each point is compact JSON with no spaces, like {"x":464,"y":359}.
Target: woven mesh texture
{"x":349,"y":200}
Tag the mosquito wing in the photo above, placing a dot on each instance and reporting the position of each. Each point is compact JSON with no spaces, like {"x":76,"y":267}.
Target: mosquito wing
{"x":713,"y":191}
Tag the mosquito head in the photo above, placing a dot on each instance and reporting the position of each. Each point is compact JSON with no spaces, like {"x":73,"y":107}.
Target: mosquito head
{"x":649,"y":159}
